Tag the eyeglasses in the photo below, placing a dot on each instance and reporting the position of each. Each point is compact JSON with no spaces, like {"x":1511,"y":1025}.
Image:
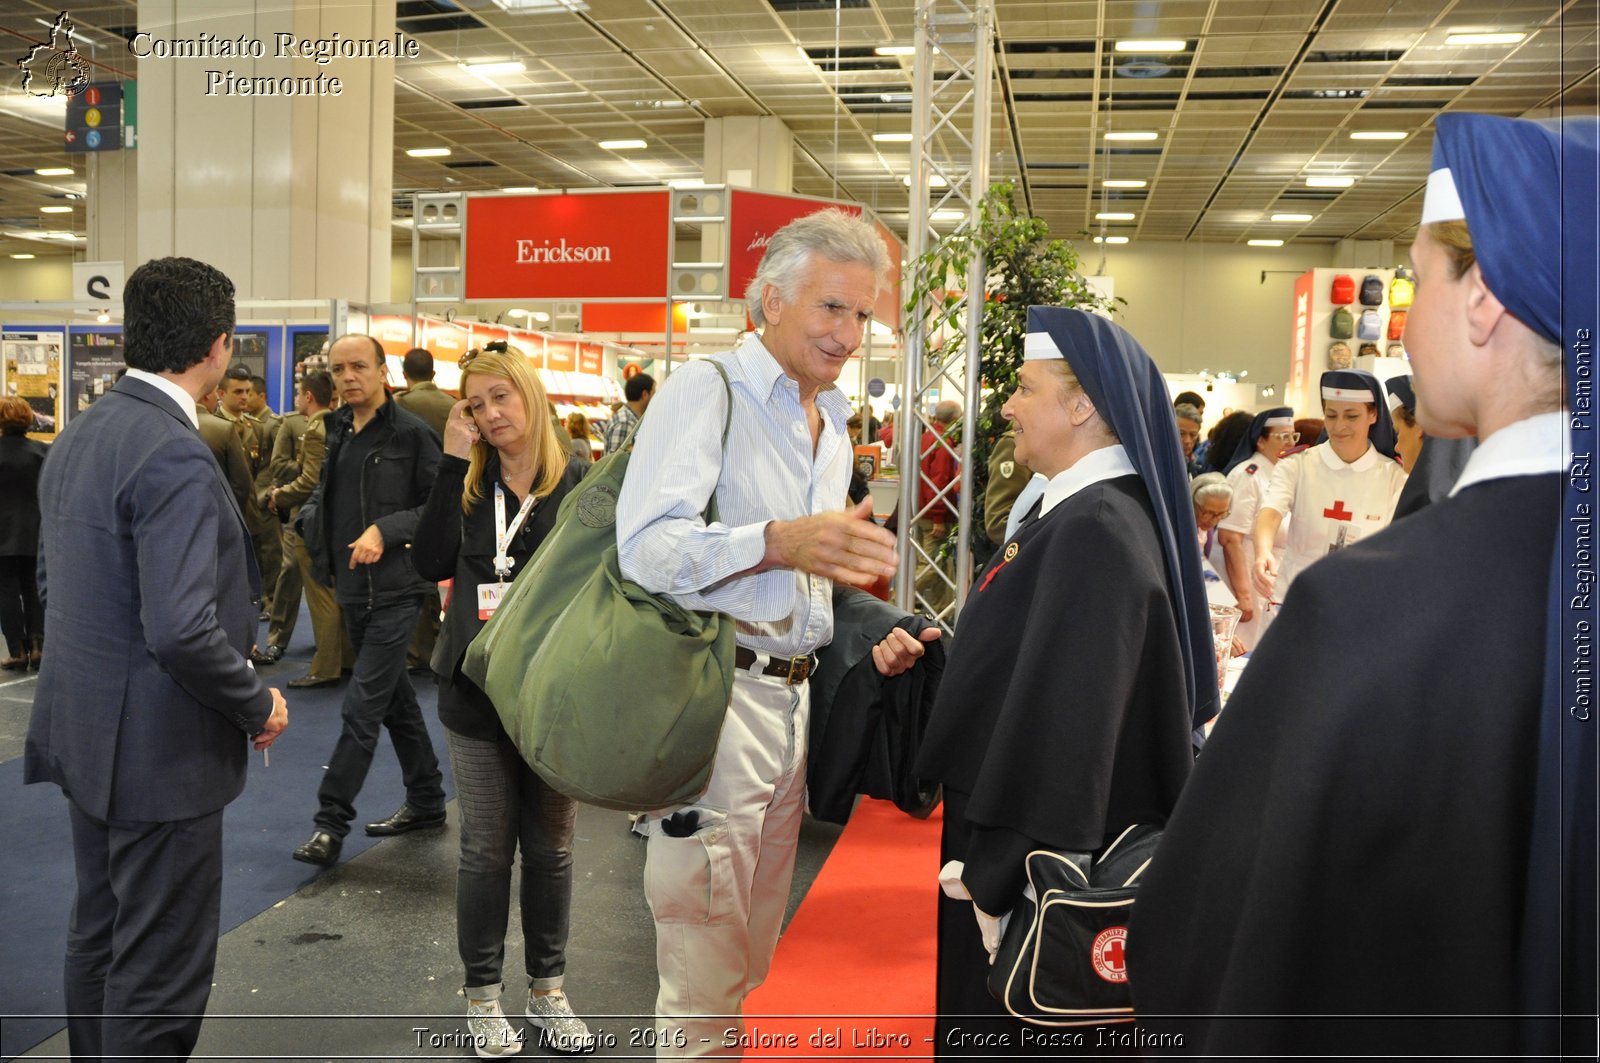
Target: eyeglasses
{"x":1286,"y":437}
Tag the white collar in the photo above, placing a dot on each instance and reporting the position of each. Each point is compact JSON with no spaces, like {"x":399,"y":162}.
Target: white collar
{"x":1260,"y":460}
{"x":1368,"y":459}
{"x":1107,"y":463}
{"x":184,"y":400}
{"x":1530,"y":447}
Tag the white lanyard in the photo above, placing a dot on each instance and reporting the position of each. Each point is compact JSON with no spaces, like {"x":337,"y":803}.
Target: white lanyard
{"x":502,"y":534}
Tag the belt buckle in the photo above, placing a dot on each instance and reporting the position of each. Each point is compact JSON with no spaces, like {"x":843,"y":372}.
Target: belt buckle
{"x":800,"y":665}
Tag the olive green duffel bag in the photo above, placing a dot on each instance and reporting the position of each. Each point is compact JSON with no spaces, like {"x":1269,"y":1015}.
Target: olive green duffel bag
{"x":613,"y":695}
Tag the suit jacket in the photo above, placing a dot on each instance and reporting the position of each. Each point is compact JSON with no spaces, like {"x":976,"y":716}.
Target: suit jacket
{"x":427,"y":402}
{"x":283,"y":462}
{"x":227,"y":447}
{"x":308,"y":453}
{"x":144,"y":704}
{"x":20,"y":461}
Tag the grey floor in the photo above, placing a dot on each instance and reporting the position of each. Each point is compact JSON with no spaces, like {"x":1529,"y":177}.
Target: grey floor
{"x":361,"y":964}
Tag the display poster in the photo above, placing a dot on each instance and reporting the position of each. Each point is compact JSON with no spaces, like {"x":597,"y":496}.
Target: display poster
{"x":93,"y":359}
{"x":393,"y":332}
{"x":30,"y":368}
{"x":307,"y":345}
{"x":250,"y":351}
{"x":561,"y":355}
{"x":1298,"y":392}
{"x":445,"y":340}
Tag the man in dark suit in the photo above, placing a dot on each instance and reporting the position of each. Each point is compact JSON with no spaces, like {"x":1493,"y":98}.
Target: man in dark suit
{"x":146,"y":705}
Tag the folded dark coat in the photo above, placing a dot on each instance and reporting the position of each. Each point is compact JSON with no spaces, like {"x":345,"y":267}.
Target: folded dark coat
{"x":866,"y":729}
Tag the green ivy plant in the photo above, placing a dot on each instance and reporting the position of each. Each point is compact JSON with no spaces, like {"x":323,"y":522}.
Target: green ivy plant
{"x":1025,"y":267}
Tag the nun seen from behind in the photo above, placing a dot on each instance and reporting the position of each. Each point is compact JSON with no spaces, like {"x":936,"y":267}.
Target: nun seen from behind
{"x":1068,"y":699}
{"x":1389,"y":848}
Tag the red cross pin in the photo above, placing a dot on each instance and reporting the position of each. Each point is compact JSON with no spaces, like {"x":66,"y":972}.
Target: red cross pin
{"x":1338,"y":512}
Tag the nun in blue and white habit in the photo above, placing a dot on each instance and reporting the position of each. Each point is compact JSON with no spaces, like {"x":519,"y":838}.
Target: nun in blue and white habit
{"x":1388,"y":846}
{"x":1083,"y":658}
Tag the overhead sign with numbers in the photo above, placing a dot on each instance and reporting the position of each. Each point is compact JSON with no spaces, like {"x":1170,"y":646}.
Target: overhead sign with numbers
{"x":94,"y":118}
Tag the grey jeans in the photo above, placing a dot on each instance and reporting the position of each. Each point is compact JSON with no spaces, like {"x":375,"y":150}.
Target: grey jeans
{"x":502,"y":804}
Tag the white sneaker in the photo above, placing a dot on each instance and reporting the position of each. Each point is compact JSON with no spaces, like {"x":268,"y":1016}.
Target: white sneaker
{"x":492,"y":1035}
{"x":564,"y":1031}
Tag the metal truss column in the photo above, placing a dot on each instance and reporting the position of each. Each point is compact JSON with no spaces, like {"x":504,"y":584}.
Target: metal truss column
{"x":953,"y":76}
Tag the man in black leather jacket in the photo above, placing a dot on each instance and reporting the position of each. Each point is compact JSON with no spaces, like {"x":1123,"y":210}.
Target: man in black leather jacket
{"x":380,"y":465}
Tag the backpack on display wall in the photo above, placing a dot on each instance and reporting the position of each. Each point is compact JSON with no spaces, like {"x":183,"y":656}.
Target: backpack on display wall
{"x":1397,"y":324}
{"x":1401,"y":289}
{"x":1370,"y":327}
{"x":1343,"y":325}
{"x":1372,"y":290}
{"x":1344,"y":290}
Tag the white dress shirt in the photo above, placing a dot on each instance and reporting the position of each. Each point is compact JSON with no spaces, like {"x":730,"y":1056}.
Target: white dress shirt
{"x":768,"y":472}
{"x":184,"y":400}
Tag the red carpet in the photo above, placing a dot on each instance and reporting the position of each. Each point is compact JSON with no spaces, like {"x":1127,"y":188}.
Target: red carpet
{"x":853,"y":976}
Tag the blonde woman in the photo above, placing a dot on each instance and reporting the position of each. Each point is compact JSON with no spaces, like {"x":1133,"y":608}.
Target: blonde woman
{"x":504,"y":473}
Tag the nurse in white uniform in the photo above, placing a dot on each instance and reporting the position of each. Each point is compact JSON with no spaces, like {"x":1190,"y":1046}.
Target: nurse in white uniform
{"x":1336,"y":493}
{"x":1249,"y":473}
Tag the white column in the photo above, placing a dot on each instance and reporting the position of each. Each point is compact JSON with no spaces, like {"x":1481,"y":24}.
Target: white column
{"x":750,"y":152}
{"x":287,"y":194}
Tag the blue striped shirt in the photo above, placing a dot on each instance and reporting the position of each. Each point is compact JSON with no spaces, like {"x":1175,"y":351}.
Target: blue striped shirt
{"x":767,"y":473}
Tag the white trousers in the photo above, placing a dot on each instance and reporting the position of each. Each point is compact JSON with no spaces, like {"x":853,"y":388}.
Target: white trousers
{"x":718,"y":896}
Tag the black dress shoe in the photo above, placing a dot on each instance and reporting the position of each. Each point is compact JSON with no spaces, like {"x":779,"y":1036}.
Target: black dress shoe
{"x":272,"y":655}
{"x":321,"y":848}
{"x":312,"y":681}
{"x":406,"y":819}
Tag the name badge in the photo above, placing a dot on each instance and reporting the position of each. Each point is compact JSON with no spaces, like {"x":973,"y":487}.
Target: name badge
{"x":489,"y":595}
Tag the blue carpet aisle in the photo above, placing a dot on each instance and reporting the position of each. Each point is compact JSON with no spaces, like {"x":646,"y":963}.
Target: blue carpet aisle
{"x":261,"y":828}
{"x":351,"y":963}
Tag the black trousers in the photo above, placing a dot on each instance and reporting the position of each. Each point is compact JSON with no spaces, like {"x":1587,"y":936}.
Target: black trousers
{"x":142,"y":940}
{"x":21,"y":613}
{"x":380,"y":696}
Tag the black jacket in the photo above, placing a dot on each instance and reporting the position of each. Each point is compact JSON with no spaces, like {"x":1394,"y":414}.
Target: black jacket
{"x":865,"y":729}
{"x":395,"y":480}
{"x":460,"y":547}
{"x":21,"y":459}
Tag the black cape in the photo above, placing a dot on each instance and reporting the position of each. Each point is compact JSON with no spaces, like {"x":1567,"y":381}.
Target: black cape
{"x":1354,"y":839}
{"x":1063,"y":714}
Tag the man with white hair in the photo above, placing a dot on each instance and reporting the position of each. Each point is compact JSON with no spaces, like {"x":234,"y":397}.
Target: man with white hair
{"x":718,"y":869}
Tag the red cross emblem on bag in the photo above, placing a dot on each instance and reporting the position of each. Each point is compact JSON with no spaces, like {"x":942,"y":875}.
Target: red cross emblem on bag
{"x":1109,"y":954}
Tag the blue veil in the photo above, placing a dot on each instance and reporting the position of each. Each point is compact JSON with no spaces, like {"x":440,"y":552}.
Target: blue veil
{"x":1129,"y":393}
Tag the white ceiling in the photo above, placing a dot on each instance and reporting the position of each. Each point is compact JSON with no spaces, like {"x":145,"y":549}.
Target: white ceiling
{"x":1266,"y":93}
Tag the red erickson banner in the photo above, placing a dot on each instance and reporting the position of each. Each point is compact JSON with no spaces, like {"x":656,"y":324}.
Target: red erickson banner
{"x":597,"y":245}
{"x":755,"y":216}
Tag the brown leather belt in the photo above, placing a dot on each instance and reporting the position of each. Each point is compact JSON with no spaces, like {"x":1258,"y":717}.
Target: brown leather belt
{"x":793,"y":669}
